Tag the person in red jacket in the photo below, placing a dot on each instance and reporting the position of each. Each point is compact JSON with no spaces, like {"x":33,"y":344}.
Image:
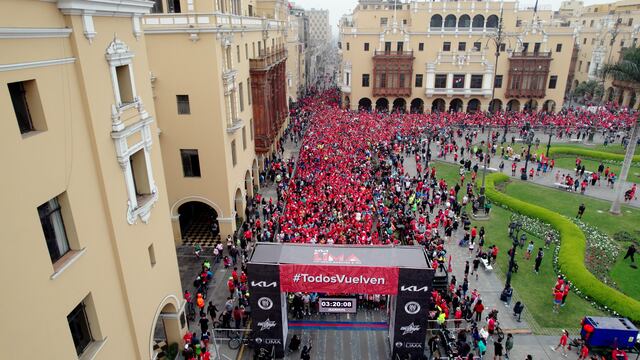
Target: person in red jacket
{"x":231,"y":286}
{"x":584,"y":352}
{"x":564,"y":338}
{"x":478,"y":309}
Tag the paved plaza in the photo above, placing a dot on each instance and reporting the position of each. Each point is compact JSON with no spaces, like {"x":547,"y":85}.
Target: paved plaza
{"x":373,"y":344}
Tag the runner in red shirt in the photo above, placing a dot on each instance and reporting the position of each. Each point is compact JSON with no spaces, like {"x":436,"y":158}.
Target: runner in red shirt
{"x":563,"y":343}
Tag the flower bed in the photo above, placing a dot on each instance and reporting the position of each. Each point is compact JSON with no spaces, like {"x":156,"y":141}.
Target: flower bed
{"x":571,"y":256}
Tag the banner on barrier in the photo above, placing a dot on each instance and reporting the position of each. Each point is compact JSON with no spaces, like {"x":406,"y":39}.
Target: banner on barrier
{"x":339,"y":279}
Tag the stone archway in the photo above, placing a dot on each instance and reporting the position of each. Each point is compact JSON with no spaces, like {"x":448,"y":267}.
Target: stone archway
{"x":456,"y":105}
{"x":399,"y":105}
{"x":239,"y":204}
{"x":531,"y":105}
{"x":364,"y":104}
{"x":417,"y":106}
{"x":438,"y":105}
{"x":549,"y":106}
{"x":248,"y":184}
{"x":198,"y":223}
{"x":168,"y":326}
{"x":382,"y":105}
{"x":513,"y":105}
{"x":608,"y":95}
{"x":495,"y":105}
{"x":255,"y":174}
{"x":473,"y":106}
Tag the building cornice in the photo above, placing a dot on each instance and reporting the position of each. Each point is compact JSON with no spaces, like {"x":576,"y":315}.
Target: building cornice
{"x":35,"y":64}
{"x":105,"y":7}
{"x":201,"y":31}
{"x":33,"y":33}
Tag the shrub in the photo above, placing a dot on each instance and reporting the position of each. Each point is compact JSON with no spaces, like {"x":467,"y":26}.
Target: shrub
{"x":591,"y":154}
{"x":572,"y":252}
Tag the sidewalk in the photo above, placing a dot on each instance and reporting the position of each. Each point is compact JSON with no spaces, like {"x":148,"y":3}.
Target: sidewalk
{"x":601,"y":192}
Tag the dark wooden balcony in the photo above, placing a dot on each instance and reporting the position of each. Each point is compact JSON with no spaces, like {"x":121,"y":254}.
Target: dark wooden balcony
{"x":525,"y":93}
{"x":393,"y":54}
{"x":404,"y":91}
{"x":531,"y":55}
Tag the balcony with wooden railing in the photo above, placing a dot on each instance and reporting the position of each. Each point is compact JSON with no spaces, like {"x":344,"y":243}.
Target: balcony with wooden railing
{"x":268,"y":58}
{"x":391,"y":54}
{"x":531,"y":55}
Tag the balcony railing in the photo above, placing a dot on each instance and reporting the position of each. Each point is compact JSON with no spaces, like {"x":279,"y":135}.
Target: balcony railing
{"x":525,"y":93}
{"x":458,"y":92}
{"x":531,"y":54}
{"x":193,"y":21}
{"x":268,"y":58}
{"x":393,"y":54}
{"x":404,"y":91}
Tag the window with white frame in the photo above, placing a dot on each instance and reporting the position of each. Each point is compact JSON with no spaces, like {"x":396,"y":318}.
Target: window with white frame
{"x":133,"y":141}
{"x":122,"y":77}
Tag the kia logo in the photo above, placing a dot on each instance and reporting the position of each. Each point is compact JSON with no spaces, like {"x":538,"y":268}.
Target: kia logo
{"x":264,"y":284}
{"x":414,"y":288}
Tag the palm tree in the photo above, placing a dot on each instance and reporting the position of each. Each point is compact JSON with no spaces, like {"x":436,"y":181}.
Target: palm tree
{"x":627,"y":70}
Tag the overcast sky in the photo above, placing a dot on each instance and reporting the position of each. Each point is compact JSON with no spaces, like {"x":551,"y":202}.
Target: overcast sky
{"x":337,"y":8}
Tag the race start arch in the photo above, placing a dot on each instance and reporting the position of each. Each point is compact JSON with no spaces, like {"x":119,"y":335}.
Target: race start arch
{"x":400,"y":271}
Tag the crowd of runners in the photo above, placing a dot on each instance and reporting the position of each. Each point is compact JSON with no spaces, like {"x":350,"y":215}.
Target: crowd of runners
{"x":350,"y":185}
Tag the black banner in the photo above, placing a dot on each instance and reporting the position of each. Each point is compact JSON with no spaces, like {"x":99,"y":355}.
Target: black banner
{"x":266,"y":308}
{"x":411,"y":313}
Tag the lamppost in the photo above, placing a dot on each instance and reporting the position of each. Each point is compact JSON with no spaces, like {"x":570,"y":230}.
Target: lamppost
{"x":549,"y":142}
{"x":528,"y":139}
{"x":512,"y":256}
{"x":485,"y":159}
{"x":498,"y":38}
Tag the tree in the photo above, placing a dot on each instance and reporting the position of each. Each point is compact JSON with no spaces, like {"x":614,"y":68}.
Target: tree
{"x":588,"y":89}
{"x":627,"y":70}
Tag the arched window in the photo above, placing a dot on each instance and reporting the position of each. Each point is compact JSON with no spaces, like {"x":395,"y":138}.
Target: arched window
{"x":450,"y":21}
{"x":464,"y":21}
{"x":492,"y":21}
{"x":436,"y":21}
{"x":478,"y":21}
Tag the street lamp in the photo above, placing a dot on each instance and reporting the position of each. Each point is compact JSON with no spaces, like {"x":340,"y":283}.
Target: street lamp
{"x":485,"y":159}
{"x":549,"y":142}
{"x":528,"y":139}
{"x":512,"y":255}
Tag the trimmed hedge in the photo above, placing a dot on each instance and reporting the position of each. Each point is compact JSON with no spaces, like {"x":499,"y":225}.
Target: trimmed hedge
{"x":572,"y":251}
{"x":591,"y":154}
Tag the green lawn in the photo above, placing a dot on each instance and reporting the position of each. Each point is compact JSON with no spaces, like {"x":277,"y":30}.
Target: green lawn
{"x":626,"y":277}
{"x":448,"y":171}
{"x":615,"y":148}
{"x":596,"y":214}
{"x":569,"y":162}
{"x":566,"y":203}
{"x":534,"y":289}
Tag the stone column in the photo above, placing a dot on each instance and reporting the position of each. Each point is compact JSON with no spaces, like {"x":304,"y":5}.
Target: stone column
{"x":626,"y":98}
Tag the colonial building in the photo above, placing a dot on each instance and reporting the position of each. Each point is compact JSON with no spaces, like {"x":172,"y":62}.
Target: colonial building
{"x":320,"y":49}
{"x":89,"y":266}
{"x":441,"y":55}
{"x":220,"y":87}
{"x":603,"y":32}
{"x":296,"y":53}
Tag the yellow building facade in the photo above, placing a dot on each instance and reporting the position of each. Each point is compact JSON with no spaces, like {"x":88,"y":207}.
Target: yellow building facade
{"x":296,"y":75}
{"x":91,"y":267}
{"x":203,"y":57}
{"x":603,"y":32}
{"x":428,"y":56}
